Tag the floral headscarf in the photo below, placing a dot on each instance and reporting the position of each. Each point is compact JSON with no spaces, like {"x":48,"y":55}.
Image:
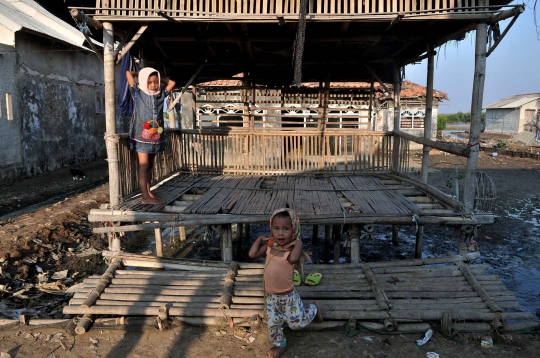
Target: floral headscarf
{"x":295,"y":224}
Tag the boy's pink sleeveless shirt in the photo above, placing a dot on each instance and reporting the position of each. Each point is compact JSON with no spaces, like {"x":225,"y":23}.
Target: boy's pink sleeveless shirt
{"x":278,"y":274}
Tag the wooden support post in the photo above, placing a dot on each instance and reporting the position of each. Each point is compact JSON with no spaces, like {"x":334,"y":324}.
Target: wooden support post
{"x":182,"y":233}
{"x":327,"y":238}
{"x":336,"y":238}
{"x":464,"y":232}
{"x":159,"y":242}
{"x":239,"y":244}
{"x":248,"y":233}
{"x":419,"y":237}
{"x":354,"y":235}
{"x":226,"y":243}
{"x":397,"y":115}
{"x":111,"y":139}
{"x":429,"y":112}
{"x":395,"y":235}
{"x":315,"y":236}
{"x":476,"y":115}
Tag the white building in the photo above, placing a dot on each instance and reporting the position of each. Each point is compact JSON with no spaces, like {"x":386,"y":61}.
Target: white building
{"x":514,"y":114}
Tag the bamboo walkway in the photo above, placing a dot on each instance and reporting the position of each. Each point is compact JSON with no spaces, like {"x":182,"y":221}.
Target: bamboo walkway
{"x":388,"y":295}
{"x":382,"y":198}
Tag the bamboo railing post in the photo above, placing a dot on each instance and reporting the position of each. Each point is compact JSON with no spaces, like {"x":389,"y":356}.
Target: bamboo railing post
{"x":464,"y":232}
{"x":476,"y":115}
{"x":247,"y":228}
{"x":418,"y":246}
{"x":429,"y":112}
{"x":226,"y":296}
{"x":103,"y":282}
{"x":327,"y":238}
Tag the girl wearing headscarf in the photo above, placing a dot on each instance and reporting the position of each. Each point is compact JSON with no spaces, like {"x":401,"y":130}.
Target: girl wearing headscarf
{"x":283,"y":304}
{"x":146,"y":134}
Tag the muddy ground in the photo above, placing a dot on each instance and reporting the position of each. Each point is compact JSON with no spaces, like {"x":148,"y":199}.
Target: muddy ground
{"x":55,"y":236}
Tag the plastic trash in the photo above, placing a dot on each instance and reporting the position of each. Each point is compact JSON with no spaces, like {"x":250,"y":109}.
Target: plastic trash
{"x":426,"y":338}
{"x":486,"y":342}
{"x":432,"y":355}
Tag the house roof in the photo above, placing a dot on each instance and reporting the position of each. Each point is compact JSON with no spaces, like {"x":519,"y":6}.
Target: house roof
{"x":514,"y":101}
{"x":408,"y":89}
{"x":17,"y":15}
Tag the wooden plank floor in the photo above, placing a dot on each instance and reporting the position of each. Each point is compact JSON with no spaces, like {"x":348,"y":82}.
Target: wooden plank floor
{"x":422,"y":290}
{"x":259,"y":195}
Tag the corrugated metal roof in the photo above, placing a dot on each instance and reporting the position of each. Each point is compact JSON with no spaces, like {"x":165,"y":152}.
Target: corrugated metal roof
{"x":514,"y":101}
{"x":27,"y":14}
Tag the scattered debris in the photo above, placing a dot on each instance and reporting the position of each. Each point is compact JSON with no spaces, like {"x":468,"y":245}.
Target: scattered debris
{"x":432,"y":355}
{"x":486,"y":342}
{"x":426,"y":338}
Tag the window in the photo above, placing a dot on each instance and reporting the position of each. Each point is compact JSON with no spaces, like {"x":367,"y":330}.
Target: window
{"x":412,"y":119}
{"x":9,"y":107}
{"x":100,"y":102}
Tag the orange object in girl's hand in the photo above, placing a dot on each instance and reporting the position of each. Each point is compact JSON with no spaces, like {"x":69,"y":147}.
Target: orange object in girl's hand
{"x":152,"y":130}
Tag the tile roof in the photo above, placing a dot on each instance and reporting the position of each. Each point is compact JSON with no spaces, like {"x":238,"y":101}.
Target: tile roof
{"x":408,"y":88}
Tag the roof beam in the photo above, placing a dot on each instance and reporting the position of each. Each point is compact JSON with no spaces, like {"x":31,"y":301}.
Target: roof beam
{"x":132,"y":42}
{"x":329,"y":39}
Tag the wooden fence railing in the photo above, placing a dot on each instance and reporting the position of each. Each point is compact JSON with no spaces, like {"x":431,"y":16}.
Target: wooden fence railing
{"x":183,"y":8}
{"x":263,"y":153}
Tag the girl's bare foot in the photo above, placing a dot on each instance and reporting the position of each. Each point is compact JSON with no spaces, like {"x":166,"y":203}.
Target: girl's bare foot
{"x":151,"y":201}
{"x":318,"y":317}
{"x":152,"y":195}
{"x":276,"y":352}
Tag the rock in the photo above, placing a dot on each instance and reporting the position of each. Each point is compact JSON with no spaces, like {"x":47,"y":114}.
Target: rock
{"x":333,"y":340}
{"x":14,"y":255}
{"x":322,"y":351}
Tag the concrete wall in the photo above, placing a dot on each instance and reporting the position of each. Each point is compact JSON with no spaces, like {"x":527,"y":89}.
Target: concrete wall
{"x":11,"y":160}
{"x":502,"y":120}
{"x":535,"y":105}
{"x":55,"y":105}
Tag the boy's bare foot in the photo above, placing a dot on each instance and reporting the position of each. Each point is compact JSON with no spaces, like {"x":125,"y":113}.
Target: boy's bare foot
{"x":276,"y":352}
{"x":318,"y":317}
{"x":151,"y":201}
{"x":152,"y":195}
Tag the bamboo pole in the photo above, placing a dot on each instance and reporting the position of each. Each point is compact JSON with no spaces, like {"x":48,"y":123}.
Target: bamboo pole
{"x":226,"y":243}
{"x":84,"y":324}
{"x":111,"y":140}
{"x":418,"y":244}
{"x":395,"y":235}
{"x":479,"y":288}
{"x":397,"y":117}
{"x":196,"y":264}
{"x":226,"y":296}
{"x":327,"y":239}
{"x":476,"y":115}
{"x":377,"y":290}
{"x":154,"y":311}
{"x":159,"y":242}
{"x":336,"y":236}
{"x":459,"y":150}
{"x":429,"y":112}
{"x":105,"y":280}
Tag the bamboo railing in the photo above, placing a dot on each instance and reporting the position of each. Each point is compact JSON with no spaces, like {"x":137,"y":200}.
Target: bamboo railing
{"x":260,"y":8}
{"x":264,"y":153}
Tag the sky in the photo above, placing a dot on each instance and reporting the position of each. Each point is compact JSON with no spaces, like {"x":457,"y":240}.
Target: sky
{"x":513,"y":68}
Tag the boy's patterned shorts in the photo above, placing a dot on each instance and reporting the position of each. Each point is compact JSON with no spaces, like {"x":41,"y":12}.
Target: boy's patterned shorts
{"x":287,"y":309}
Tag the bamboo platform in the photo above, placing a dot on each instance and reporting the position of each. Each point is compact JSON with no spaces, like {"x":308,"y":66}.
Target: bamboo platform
{"x":391,"y":296}
{"x":318,"y":199}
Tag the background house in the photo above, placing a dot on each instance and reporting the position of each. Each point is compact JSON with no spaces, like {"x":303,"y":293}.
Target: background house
{"x":51,"y":93}
{"x":514,"y":114}
{"x":222,"y":103}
